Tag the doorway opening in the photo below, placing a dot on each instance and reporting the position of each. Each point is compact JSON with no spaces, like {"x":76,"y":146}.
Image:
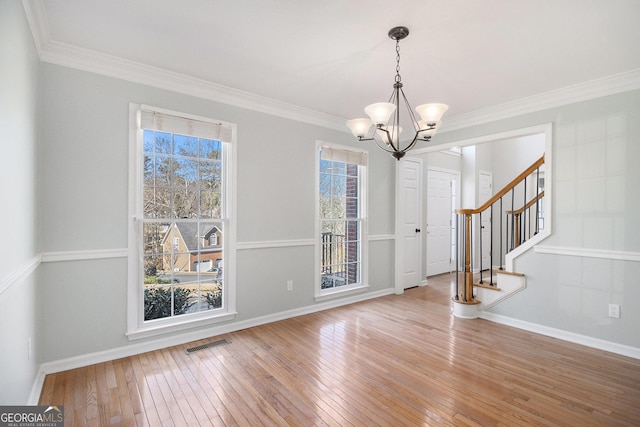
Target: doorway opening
{"x":503,"y":156}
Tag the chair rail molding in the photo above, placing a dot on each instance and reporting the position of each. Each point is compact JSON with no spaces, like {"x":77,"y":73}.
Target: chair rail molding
{"x":60,"y":256}
{"x":588,"y":253}
{"x":20,"y":275}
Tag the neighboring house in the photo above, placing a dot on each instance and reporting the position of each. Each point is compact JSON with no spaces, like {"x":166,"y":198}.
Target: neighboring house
{"x":180,"y":247}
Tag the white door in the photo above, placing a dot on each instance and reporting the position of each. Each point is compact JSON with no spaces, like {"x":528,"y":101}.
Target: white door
{"x":439,"y":205}
{"x":485,"y":191}
{"x":409,"y":214}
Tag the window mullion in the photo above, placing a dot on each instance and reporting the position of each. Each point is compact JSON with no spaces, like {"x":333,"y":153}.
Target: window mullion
{"x":174,"y":279}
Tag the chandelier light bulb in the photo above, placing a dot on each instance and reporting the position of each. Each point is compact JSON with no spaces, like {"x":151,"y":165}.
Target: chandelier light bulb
{"x":431,"y":113}
{"x":380,"y":112}
{"x":359,"y":127}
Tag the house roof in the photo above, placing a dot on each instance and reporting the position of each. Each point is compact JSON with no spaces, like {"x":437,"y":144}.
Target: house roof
{"x":190,"y":235}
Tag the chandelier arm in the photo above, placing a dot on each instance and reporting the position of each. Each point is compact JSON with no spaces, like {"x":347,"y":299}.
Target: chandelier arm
{"x":374,"y":139}
{"x":389,"y":139}
{"x":384,"y":148}
{"x":413,"y":143}
{"x":378,"y":143}
{"x":412,"y":116}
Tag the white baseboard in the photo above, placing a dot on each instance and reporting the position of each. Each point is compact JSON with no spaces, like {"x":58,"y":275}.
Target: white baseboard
{"x":609,"y":346}
{"x":182,"y":338}
{"x":36,"y":389}
{"x":178,"y":339}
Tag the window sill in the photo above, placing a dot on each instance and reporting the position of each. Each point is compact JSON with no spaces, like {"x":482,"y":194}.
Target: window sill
{"x":340,"y":293}
{"x":166,"y":328}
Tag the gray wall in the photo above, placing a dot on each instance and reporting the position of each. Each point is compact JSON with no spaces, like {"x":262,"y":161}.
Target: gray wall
{"x":18,"y":254}
{"x":596,"y":202}
{"x":83,"y":190}
{"x":512,"y":156}
{"x":64,"y":181}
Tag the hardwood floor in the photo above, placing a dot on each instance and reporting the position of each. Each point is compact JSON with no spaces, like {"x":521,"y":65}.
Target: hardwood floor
{"x":396,"y":360}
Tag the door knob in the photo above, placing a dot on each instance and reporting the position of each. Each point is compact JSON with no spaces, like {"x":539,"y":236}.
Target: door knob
{"x":417,"y":230}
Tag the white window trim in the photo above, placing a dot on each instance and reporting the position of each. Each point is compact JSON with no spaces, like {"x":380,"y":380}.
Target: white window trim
{"x":136,"y":327}
{"x":343,"y":291}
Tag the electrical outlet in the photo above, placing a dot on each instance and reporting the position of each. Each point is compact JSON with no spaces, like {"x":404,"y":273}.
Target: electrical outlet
{"x":289,"y":285}
{"x":614,"y":310}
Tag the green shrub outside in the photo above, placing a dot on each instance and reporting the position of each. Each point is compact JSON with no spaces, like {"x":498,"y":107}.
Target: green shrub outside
{"x":157,"y":302}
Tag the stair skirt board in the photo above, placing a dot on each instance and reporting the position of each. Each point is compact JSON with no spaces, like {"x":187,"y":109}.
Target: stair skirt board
{"x":508,"y":284}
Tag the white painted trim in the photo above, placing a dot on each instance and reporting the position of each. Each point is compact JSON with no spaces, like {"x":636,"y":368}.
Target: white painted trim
{"x":509,"y":284}
{"x":59,"y":256}
{"x":380,"y":237}
{"x":341,"y":292}
{"x":171,"y":325}
{"x":160,"y":343}
{"x":465,"y":311}
{"x":400,"y":216}
{"x":589,"y":253}
{"x":458,"y":180}
{"x":267,"y":244}
{"x":609,"y":85}
{"x":59,"y":53}
{"x":21,"y":274}
{"x":398,"y":250}
{"x":509,"y":134}
{"x":88,"y":60}
{"x":36,"y":388}
{"x":612,"y":347}
{"x":37,"y":19}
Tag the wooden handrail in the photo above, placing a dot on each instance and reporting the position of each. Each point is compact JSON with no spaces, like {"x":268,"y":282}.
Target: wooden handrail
{"x":467,"y":297}
{"x":505,"y":190}
{"x":530,"y":203}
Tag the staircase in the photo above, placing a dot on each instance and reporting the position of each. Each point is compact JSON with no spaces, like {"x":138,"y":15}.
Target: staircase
{"x":516,"y":215}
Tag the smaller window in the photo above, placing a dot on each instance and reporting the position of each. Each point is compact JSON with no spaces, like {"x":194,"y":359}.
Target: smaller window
{"x":341,"y":220}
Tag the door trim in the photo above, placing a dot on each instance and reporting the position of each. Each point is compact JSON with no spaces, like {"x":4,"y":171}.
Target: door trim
{"x":400,"y":214}
{"x":453,"y":173}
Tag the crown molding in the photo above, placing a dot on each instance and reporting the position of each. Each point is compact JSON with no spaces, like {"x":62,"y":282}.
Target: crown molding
{"x":58,"y":53}
{"x":592,"y":89}
{"x":37,"y":18}
{"x":112,"y":66}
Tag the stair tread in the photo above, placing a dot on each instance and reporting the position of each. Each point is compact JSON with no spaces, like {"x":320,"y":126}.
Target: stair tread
{"x":487,"y":286}
{"x":511,"y":273}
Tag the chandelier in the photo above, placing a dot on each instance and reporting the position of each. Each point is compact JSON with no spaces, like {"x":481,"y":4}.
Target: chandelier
{"x":386,"y":115}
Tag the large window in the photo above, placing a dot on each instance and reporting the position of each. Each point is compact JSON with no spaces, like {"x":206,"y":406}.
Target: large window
{"x":180,"y":201}
{"x":341,"y":220}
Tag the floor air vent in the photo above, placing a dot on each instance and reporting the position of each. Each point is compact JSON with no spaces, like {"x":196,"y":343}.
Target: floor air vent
{"x":207,"y":345}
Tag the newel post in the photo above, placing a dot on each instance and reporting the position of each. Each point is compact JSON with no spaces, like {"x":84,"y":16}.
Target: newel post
{"x":468,"y":290}
{"x":465,"y":305}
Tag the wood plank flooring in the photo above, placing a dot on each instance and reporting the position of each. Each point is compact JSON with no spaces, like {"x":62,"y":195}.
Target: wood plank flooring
{"x":400,"y":360}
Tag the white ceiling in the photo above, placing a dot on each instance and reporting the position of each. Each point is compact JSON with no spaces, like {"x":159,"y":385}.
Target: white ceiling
{"x":334,"y":56}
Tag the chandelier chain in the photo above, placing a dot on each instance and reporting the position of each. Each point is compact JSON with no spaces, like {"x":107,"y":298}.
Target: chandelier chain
{"x":398,"y":78}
